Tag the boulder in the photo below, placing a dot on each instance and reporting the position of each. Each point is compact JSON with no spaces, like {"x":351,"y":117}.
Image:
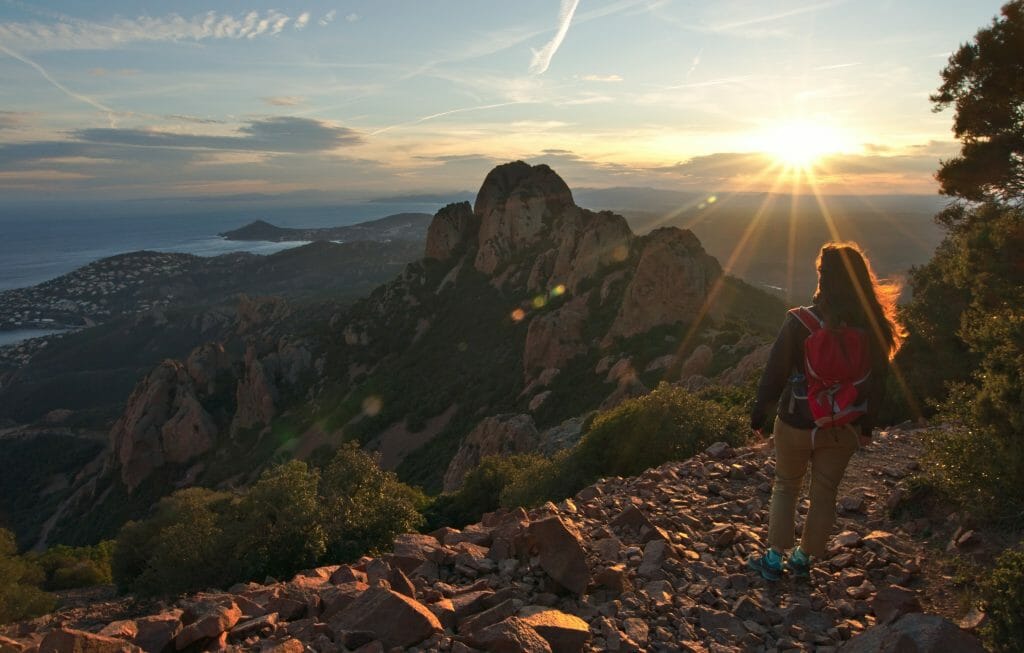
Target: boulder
{"x":156,"y":632}
{"x":512,"y":635}
{"x":561,"y":553}
{"x":697,"y":363}
{"x":210,"y":621}
{"x":493,"y":436}
{"x":450,"y":231}
{"x":917,"y":633}
{"x":565,"y":633}
{"x":749,"y":366}
{"x":393,"y":618}
{"x":890,"y":603}
{"x":66,"y":640}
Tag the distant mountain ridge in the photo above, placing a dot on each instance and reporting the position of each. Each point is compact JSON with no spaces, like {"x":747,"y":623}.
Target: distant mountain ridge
{"x":401,"y":226}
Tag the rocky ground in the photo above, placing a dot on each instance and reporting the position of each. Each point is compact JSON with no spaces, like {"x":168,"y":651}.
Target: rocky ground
{"x":651,"y":563}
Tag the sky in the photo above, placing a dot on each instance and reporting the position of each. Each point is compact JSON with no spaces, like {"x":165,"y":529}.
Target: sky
{"x":372,"y":98}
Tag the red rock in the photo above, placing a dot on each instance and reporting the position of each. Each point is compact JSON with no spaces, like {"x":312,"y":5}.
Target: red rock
{"x":489,"y":617}
{"x":411,"y":550}
{"x":156,"y":632}
{"x":510,"y":636}
{"x":10,"y":646}
{"x":66,"y":640}
{"x":467,"y":603}
{"x":395,"y":619}
{"x":125,"y":629}
{"x":917,"y":633}
{"x":444,"y":610}
{"x":290,"y":645}
{"x":254,"y":626}
{"x":893,"y":602}
{"x":336,"y":599}
{"x":346,"y":574}
{"x":561,"y":553}
{"x":401,"y":583}
{"x":614,"y":578}
{"x":287,"y":608}
{"x":211,"y":623}
{"x":565,"y":633}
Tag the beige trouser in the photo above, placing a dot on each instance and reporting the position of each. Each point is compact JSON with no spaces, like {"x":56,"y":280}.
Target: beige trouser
{"x":832,"y":450}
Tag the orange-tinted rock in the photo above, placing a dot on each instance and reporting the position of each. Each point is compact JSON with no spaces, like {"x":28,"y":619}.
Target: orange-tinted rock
{"x":512,"y":635}
{"x":157,"y":632}
{"x":561,"y":553}
{"x":555,"y":337}
{"x":395,"y":619}
{"x":66,"y":640}
{"x":450,"y":231}
{"x":493,"y":436}
{"x":670,"y":284}
{"x":214,"y":620}
{"x":565,"y":633}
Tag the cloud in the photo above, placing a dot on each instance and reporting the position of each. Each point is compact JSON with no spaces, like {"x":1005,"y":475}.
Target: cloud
{"x":284,"y":134}
{"x":69,"y":33}
{"x":194,"y":119}
{"x":602,"y":78}
{"x":351,"y":18}
{"x":542,"y":58}
{"x":12,"y":119}
{"x":284,"y":100}
{"x":302,"y":20}
{"x":328,"y":18}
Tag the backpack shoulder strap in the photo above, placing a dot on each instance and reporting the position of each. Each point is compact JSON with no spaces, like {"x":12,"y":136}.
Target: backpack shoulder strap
{"x":807,"y":318}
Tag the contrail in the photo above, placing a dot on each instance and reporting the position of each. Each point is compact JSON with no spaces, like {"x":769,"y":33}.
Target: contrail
{"x":67,"y":91}
{"x":442,"y":114}
{"x":542,"y":57}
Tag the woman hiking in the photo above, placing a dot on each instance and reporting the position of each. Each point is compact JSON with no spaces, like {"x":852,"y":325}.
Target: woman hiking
{"x":846,"y":338}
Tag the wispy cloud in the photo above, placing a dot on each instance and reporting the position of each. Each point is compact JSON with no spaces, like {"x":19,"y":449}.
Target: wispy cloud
{"x":284,"y":100}
{"x":351,"y":18}
{"x":837,"y":66}
{"x":602,"y":78}
{"x":769,"y":18}
{"x":69,"y":33}
{"x":11,"y":119}
{"x":120,"y":72}
{"x":542,"y":58}
{"x":442,"y":114}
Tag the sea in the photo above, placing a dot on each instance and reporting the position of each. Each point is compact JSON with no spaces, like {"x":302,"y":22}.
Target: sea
{"x":45,"y":239}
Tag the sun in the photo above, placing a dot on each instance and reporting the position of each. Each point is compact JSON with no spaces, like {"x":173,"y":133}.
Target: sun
{"x":800,"y":144}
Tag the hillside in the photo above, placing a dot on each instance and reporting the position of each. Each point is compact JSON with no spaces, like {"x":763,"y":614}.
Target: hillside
{"x":401,"y":226}
{"x":650,"y":563}
{"x":523,"y":305}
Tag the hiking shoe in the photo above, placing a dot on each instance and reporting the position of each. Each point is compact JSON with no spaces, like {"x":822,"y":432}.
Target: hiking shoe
{"x":768,"y":565}
{"x":799,"y":564}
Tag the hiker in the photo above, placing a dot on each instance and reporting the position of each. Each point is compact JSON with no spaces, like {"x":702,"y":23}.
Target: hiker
{"x":846,"y":338}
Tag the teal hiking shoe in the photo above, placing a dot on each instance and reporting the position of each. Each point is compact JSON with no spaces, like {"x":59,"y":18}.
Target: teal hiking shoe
{"x":768,"y":565}
{"x":799,"y":564}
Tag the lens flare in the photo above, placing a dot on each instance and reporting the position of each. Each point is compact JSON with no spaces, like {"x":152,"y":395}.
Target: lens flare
{"x":558,"y":290}
{"x":540,"y":301}
{"x":518,"y":315}
{"x":372,"y":406}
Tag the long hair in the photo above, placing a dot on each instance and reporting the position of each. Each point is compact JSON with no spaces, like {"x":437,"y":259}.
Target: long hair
{"x":849,"y":292}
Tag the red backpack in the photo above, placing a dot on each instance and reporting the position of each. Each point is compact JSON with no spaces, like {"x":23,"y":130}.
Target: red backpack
{"x":837,"y":363}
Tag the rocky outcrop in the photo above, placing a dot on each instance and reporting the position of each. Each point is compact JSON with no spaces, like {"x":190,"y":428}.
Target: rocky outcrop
{"x":163,"y":422}
{"x":255,"y":395}
{"x":749,"y":366}
{"x":554,"y":338}
{"x":516,"y":203}
{"x":451,"y":231}
{"x":494,"y":436}
{"x":670,"y":284}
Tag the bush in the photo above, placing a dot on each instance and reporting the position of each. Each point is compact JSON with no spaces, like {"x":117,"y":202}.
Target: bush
{"x":1003,"y":599}
{"x":68,"y":567}
{"x":365,"y":507}
{"x":20,"y":596}
{"x":292,"y":518}
{"x":666,"y":424}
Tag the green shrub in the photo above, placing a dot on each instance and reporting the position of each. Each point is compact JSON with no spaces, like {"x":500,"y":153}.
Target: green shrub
{"x":68,"y":567}
{"x":364,"y":506}
{"x":182,"y":547}
{"x":20,"y":596}
{"x":276,"y":528}
{"x":1003,"y":599}
{"x":666,"y":424}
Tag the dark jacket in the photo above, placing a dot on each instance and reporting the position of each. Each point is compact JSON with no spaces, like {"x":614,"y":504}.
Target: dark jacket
{"x":786,"y":359}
